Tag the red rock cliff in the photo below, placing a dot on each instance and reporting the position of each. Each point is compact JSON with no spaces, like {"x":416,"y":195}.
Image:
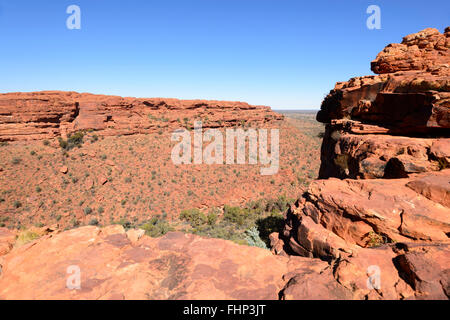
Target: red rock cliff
{"x":384,"y":195}
{"x":48,"y":114}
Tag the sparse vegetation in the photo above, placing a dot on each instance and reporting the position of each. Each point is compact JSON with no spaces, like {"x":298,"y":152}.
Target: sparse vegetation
{"x":141,"y":182}
{"x":74,"y":140}
{"x":93,"y":222}
{"x":375,"y":240}
{"x":249,"y":225}
{"x":25,"y":237}
{"x":156,"y":227}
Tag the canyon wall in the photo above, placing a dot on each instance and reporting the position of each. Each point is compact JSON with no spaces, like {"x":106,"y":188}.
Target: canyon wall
{"x":49,"y":114}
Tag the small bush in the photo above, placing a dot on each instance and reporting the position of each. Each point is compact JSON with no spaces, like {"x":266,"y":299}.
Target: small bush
{"x":195,"y":217}
{"x":235,"y":214}
{"x":17,"y":204}
{"x":374,"y":239}
{"x":93,"y":222}
{"x":74,"y":140}
{"x":156,"y":227}
{"x":212,"y":218}
{"x":46,"y":142}
{"x":16,"y":160}
{"x":87,"y":210}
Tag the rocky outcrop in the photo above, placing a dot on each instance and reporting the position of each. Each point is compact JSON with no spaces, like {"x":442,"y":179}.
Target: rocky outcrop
{"x":356,"y":150}
{"x":48,"y":114}
{"x":336,"y":217}
{"x":115,"y":264}
{"x":411,"y":94}
{"x":396,"y":123}
{"x":426,"y":50}
{"x":383,"y":201}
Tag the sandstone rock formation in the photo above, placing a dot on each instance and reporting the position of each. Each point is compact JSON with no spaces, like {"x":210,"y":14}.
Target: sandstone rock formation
{"x":410,"y":94}
{"x":375,"y":122}
{"x":385,"y":157}
{"x":48,"y":114}
{"x":115,"y":264}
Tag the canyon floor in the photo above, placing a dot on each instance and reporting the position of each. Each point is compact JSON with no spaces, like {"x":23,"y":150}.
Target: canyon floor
{"x":130,"y":179}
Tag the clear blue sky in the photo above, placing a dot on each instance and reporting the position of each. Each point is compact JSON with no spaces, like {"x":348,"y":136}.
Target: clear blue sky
{"x":285,"y":54}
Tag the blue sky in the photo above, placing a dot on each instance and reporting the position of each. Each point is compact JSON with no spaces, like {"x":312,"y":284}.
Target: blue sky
{"x":285,"y":54}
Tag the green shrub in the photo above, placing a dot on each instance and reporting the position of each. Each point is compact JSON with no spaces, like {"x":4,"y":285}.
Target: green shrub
{"x":156,"y":227}
{"x":87,"y":210}
{"x":375,"y":240}
{"x":17,"y":204}
{"x":74,"y":140}
{"x":212,"y":218}
{"x":93,"y":222}
{"x":235,"y":214}
{"x":195,"y":217}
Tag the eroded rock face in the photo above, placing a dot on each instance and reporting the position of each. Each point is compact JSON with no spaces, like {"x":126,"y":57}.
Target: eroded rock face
{"x":355,"y":150}
{"x":396,"y":123}
{"x":411,"y":94}
{"x":336,"y":216}
{"x":48,"y":114}
{"x":383,"y":206}
{"x":425,"y":50}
